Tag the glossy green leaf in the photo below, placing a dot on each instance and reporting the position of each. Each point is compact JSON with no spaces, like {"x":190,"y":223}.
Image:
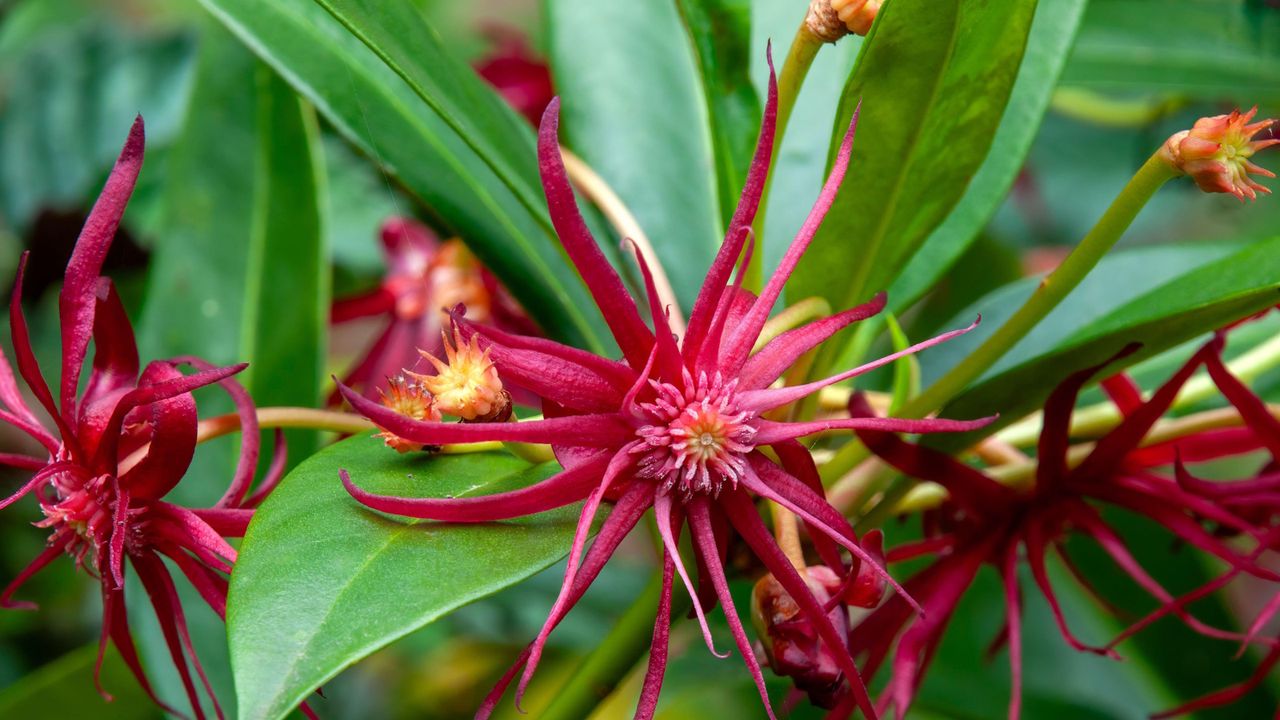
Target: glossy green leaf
{"x":1201,"y":300}
{"x":1207,"y":48}
{"x":322,"y":582}
{"x":1048,"y":44}
{"x":382,"y":114}
{"x":720,"y":31}
{"x":933,"y":79}
{"x":64,"y":689}
{"x":286,"y":321}
{"x":633,"y":111}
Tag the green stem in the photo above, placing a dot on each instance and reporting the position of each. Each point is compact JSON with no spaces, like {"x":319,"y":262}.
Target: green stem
{"x":1052,"y":290}
{"x":606,"y":666}
{"x":804,"y":48}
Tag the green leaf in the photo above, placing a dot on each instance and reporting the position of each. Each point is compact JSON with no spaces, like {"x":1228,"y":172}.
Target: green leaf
{"x":933,"y":79}
{"x":322,"y":582}
{"x":641,"y":125}
{"x":1048,"y":44}
{"x":381,"y":114}
{"x":286,"y":322}
{"x":720,"y":31}
{"x":1201,"y":300}
{"x":64,"y":689}
{"x":1208,"y":48}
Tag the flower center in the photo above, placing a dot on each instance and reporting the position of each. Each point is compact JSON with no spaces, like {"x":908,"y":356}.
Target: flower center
{"x":83,"y":507}
{"x":696,"y":439}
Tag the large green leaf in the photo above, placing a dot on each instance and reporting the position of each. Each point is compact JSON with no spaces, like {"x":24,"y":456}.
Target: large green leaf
{"x":1048,"y":44}
{"x":1196,"y":302}
{"x":720,"y":31}
{"x":933,"y":79}
{"x":633,"y":111}
{"x":286,"y":321}
{"x":64,"y":689}
{"x":390,"y":121}
{"x":1208,"y":48}
{"x":322,"y":581}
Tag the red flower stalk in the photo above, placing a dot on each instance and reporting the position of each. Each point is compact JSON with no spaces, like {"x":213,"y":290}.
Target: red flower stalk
{"x":424,"y":278}
{"x":986,"y":522}
{"x":117,"y":449}
{"x":676,"y":425}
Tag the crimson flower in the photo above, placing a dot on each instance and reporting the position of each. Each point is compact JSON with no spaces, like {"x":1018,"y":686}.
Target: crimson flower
{"x":985,"y":522}
{"x":424,"y":277}
{"x":677,"y":425}
{"x":118,"y":448}
{"x":520,"y":77}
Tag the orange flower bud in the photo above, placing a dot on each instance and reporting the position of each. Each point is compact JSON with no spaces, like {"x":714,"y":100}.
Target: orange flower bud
{"x":857,"y":15}
{"x":1215,"y":152}
{"x":411,"y":400}
{"x":467,"y":385}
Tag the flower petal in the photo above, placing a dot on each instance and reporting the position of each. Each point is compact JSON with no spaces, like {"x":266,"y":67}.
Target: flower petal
{"x":776,"y":357}
{"x":172,"y":443}
{"x":742,"y":513}
{"x":743,"y":216}
{"x":618,"y":307}
{"x":567,"y":486}
{"x":78,"y":298}
{"x":115,"y":355}
{"x":658,"y":646}
{"x":770,"y":432}
{"x":637,"y":499}
{"x":769,"y":398}
{"x":705,"y":543}
{"x":744,"y":336}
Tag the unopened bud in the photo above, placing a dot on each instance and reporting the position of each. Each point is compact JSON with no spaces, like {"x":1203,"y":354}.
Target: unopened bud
{"x":857,"y":15}
{"x":1215,"y":152}
{"x":467,"y":385}
{"x":790,"y":643}
{"x":824,"y":22}
{"x":411,"y":400}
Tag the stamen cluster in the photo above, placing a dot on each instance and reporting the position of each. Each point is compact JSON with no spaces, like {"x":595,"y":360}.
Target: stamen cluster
{"x":698,"y":439}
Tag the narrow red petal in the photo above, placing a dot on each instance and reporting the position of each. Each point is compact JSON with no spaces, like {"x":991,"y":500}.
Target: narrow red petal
{"x":618,"y":307}
{"x":780,"y":353}
{"x":77,"y":300}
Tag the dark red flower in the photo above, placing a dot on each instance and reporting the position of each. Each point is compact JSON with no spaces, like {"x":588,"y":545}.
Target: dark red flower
{"x":677,"y":425}
{"x":985,"y":522}
{"x":119,"y":447}
{"x":424,"y":278}
{"x":520,"y":77}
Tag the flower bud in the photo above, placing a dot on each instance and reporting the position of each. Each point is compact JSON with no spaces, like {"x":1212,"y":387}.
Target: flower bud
{"x":467,"y":385}
{"x":1215,"y":152}
{"x":413,"y":401}
{"x":857,"y":15}
{"x":824,"y":22}
{"x":790,"y":643}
